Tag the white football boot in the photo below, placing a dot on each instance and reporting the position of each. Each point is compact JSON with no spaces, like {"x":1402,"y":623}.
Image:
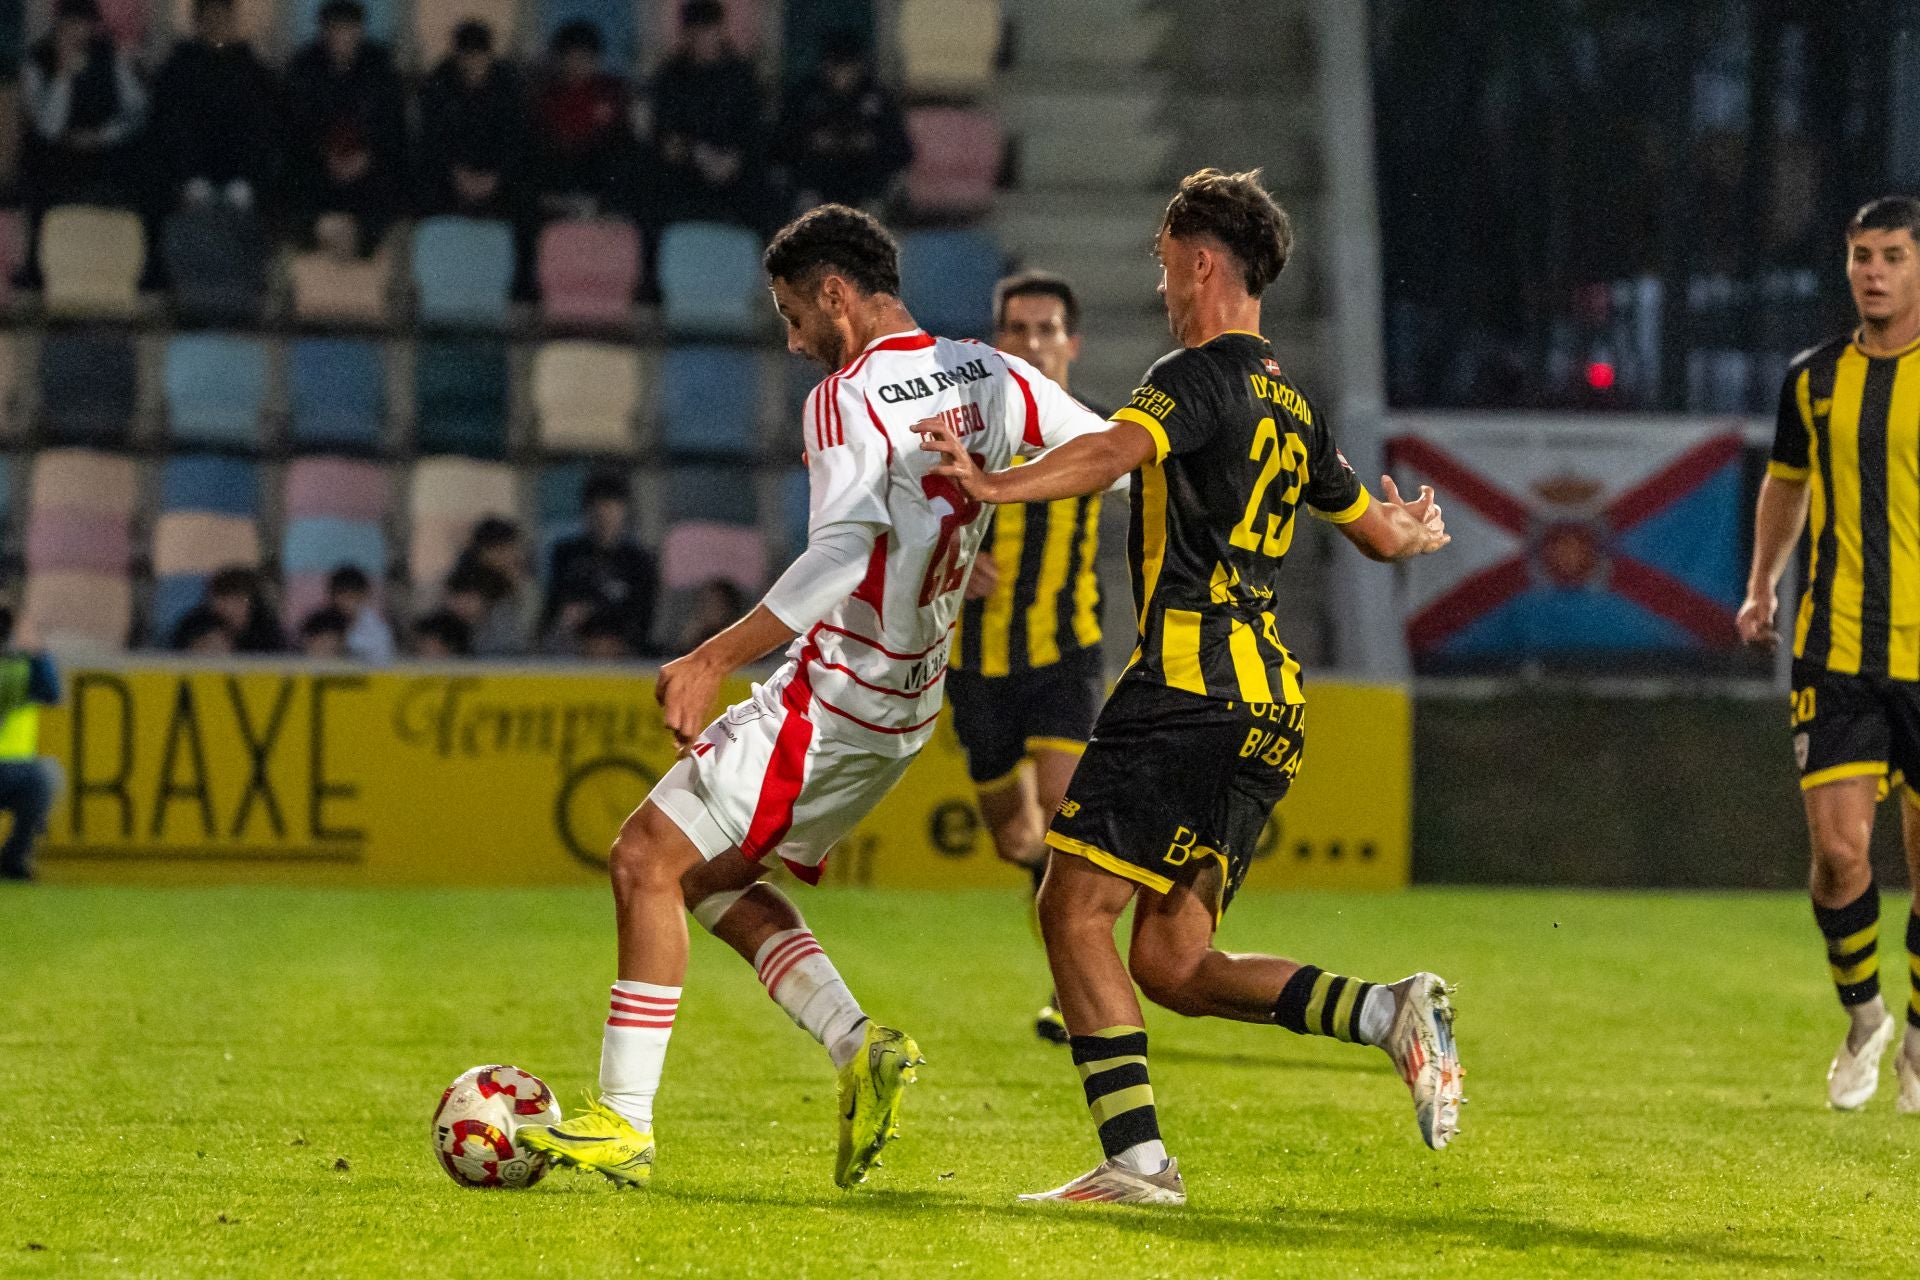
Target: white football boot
{"x":1114,"y":1184}
{"x":1420,"y":1042}
{"x":1908,"y":1065}
{"x":1853,"y":1077}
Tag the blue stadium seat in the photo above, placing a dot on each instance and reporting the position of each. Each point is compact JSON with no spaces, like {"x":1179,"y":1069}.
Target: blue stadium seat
{"x":216,"y":386}
{"x":717,"y":493}
{"x":210,"y":482}
{"x":89,"y":386}
{"x":383,"y":20}
{"x":460,"y":398}
{"x":174,"y":596}
{"x":463,"y":270}
{"x":947,"y":279}
{"x":710,"y":280}
{"x":619,"y":32}
{"x":216,"y":260}
{"x":557,"y":495}
{"x":320,"y":544}
{"x":338,"y":391}
{"x":710,"y":399}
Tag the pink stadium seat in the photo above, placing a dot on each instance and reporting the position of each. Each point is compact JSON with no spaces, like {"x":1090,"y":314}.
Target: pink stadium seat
{"x":588,"y":271}
{"x":60,"y":538}
{"x":743,"y":25}
{"x":83,"y":480}
{"x":329,"y":289}
{"x":956,"y":160}
{"x":81,"y":610}
{"x":200,"y":542}
{"x":337,"y":487}
{"x":697,"y":551}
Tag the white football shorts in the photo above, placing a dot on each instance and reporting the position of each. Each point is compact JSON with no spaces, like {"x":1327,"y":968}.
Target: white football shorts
{"x":764,"y":779}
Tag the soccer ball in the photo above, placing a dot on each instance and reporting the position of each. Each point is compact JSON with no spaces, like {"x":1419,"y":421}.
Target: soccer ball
{"x":474,"y":1124}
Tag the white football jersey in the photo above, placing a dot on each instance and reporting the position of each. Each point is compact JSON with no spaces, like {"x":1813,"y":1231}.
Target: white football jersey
{"x":876,"y":664}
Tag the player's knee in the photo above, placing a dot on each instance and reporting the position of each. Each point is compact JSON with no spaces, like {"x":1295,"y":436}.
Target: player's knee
{"x":641,"y":860}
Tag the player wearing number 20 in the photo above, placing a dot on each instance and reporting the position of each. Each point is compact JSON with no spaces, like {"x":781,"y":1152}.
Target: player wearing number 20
{"x":865,"y":614}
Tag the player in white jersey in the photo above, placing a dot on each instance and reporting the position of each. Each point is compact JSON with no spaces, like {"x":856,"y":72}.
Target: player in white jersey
{"x":865,"y":614}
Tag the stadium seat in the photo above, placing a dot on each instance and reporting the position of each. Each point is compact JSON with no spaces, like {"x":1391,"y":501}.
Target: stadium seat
{"x":588,"y":270}
{"x":91,"y":259}
{"x":557,"y":498}
{"x":451,"y":495}
{"x":743,"y":25}
{"x":584,"y":396}
{"x":199,"y":542}
{"x":947,"y":279}
{"x":126,"y":22}
{"x":434,"y":21}
{"x":210,"y":483}
{"x":698,"y":551}
{"x":342,"y":487}
{"x":88,"y":386}
{"x":710,"y":280}
{"x":80,"y":611}
{"x":174,"y":598}
{"x":84,"y":480}
{"x":216,"y":259}
{"x":463,"y":270}
{"x":710,"y":399}
{"x":62,"y":538}
{"x":337,"y":393}
{"x":329,"y":290}
{"x":216,"y":387}
{"x":460,"y":398}
{"x":614,"y":19}
{"x":321,"y":544}
{"x":713,"y":493}
{"x":948,"y":47}
{"x":383,"y":22}
{"x":956,"y":161}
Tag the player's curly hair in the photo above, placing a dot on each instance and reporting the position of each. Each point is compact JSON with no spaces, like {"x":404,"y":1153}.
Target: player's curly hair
{"x":1235,"y":210}
{"x":840,"y":239}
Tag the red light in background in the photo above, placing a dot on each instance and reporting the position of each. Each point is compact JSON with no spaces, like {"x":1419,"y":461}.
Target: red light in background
{"x":1600,"y":376}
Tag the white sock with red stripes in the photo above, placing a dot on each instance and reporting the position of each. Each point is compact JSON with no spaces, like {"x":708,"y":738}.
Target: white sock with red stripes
{"x":633,"y":1051}
{"x":801,"y":980}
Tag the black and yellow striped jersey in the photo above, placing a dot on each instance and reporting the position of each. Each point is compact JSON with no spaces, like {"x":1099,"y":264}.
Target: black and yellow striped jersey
{"x":1046,"y":604}
{"x":1238,"y":452}
{"x":1849,"y":427}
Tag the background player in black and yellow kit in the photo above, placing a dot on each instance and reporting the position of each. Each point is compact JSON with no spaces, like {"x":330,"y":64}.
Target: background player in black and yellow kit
{"x":1847,"y":447}
{"x":1203,"y":733}
{"x":1024,"y":677}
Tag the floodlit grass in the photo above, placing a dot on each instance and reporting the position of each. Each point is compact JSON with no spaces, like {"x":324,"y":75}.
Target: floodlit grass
{"x":237,"y":1082}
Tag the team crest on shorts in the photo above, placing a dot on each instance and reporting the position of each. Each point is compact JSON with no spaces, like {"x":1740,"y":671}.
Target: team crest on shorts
{"x":1800,"y":751}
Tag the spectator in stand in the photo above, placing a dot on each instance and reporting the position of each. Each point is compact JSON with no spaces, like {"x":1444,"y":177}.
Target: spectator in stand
{"x":506,"y":627}
{"x":585,"y":154}
{"x":442,"y":634}
{"x":602,"y":567}
{"x":215,"y":115}
{"x":708,"y":121}
{"x":717,"y":605}
{"x":324,"y":634}
{"x":347,"y":133}
{"x":602,"y":637}
{"x":237,"y":599}
{"x":201,"y":631}
{"x":29,"y":680}
{"x":479,"y":595}
{"x":843,"y":137}
{"x":369,"y":637}
{"x":83,"y":105}
{"x":472,"y":131}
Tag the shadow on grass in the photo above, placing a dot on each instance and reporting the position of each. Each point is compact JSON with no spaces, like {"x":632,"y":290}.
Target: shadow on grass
{"x":1356,"y":1064}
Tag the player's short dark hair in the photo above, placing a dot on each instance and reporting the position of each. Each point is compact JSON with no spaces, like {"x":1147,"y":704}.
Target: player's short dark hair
{"x":325,"y":621}
{"x":1235,"y":210}
{"x":342,"y":12}
{"x":349,"y":577}
{"x":1036,"y":284}
{"x":1888,"y":213}
{"x":838,"y":239}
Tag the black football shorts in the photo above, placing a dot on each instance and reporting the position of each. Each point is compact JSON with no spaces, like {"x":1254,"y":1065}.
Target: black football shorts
{"x":1001,"y":720}
{"x":1855,"y":726}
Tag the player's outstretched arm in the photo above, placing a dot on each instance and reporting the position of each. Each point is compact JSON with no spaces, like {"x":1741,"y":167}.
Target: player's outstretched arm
{"x":690,"y":686}
{"x":1393,"y":529}
{"x":1085,"y":464}
{"x":1777,"y":521}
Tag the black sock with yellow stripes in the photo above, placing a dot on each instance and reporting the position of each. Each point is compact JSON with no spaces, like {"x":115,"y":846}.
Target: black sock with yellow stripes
{"x":1113,"y":1071}
{"x":1317,"y":1003}
{"x":1852,"y":933}
{"x":1913,"y":972}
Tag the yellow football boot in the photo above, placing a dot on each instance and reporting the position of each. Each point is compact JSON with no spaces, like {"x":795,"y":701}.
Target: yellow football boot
{"x":869,"y":1100}
{"x":600,"y":1139}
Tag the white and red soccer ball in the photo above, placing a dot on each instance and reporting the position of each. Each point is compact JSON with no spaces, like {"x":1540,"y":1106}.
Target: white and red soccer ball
{"x":474,"y":1124}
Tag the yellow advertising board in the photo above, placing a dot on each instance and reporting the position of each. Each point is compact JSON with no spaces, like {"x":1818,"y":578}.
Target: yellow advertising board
{"x":479,"y":775}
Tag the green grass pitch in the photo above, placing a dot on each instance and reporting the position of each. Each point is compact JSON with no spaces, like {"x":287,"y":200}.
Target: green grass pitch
{"x":237,"y":1082}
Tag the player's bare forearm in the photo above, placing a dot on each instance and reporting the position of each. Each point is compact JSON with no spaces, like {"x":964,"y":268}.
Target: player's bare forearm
{"x":1085,"y":464}
{"x":1777,"y":520}
{"x":1391,"y":529}
{"x":689,"y":686}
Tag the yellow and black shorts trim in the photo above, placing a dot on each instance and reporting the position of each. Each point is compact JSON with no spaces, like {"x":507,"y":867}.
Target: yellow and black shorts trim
{"x":1851,"y":726}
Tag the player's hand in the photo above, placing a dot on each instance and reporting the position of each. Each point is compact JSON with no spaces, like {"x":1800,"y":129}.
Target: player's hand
{"x":1425,"y":510}
{"x":984,"y":578}
{"x":938,"y":436}
{"x":1755,"y":622}
{"x":687,"y":689}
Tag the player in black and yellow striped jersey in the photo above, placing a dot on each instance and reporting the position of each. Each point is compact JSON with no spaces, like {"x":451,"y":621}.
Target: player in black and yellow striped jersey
{"x":1203,"y":734}
{"x":1846,"y":466}
{"x":1024,"y":675}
